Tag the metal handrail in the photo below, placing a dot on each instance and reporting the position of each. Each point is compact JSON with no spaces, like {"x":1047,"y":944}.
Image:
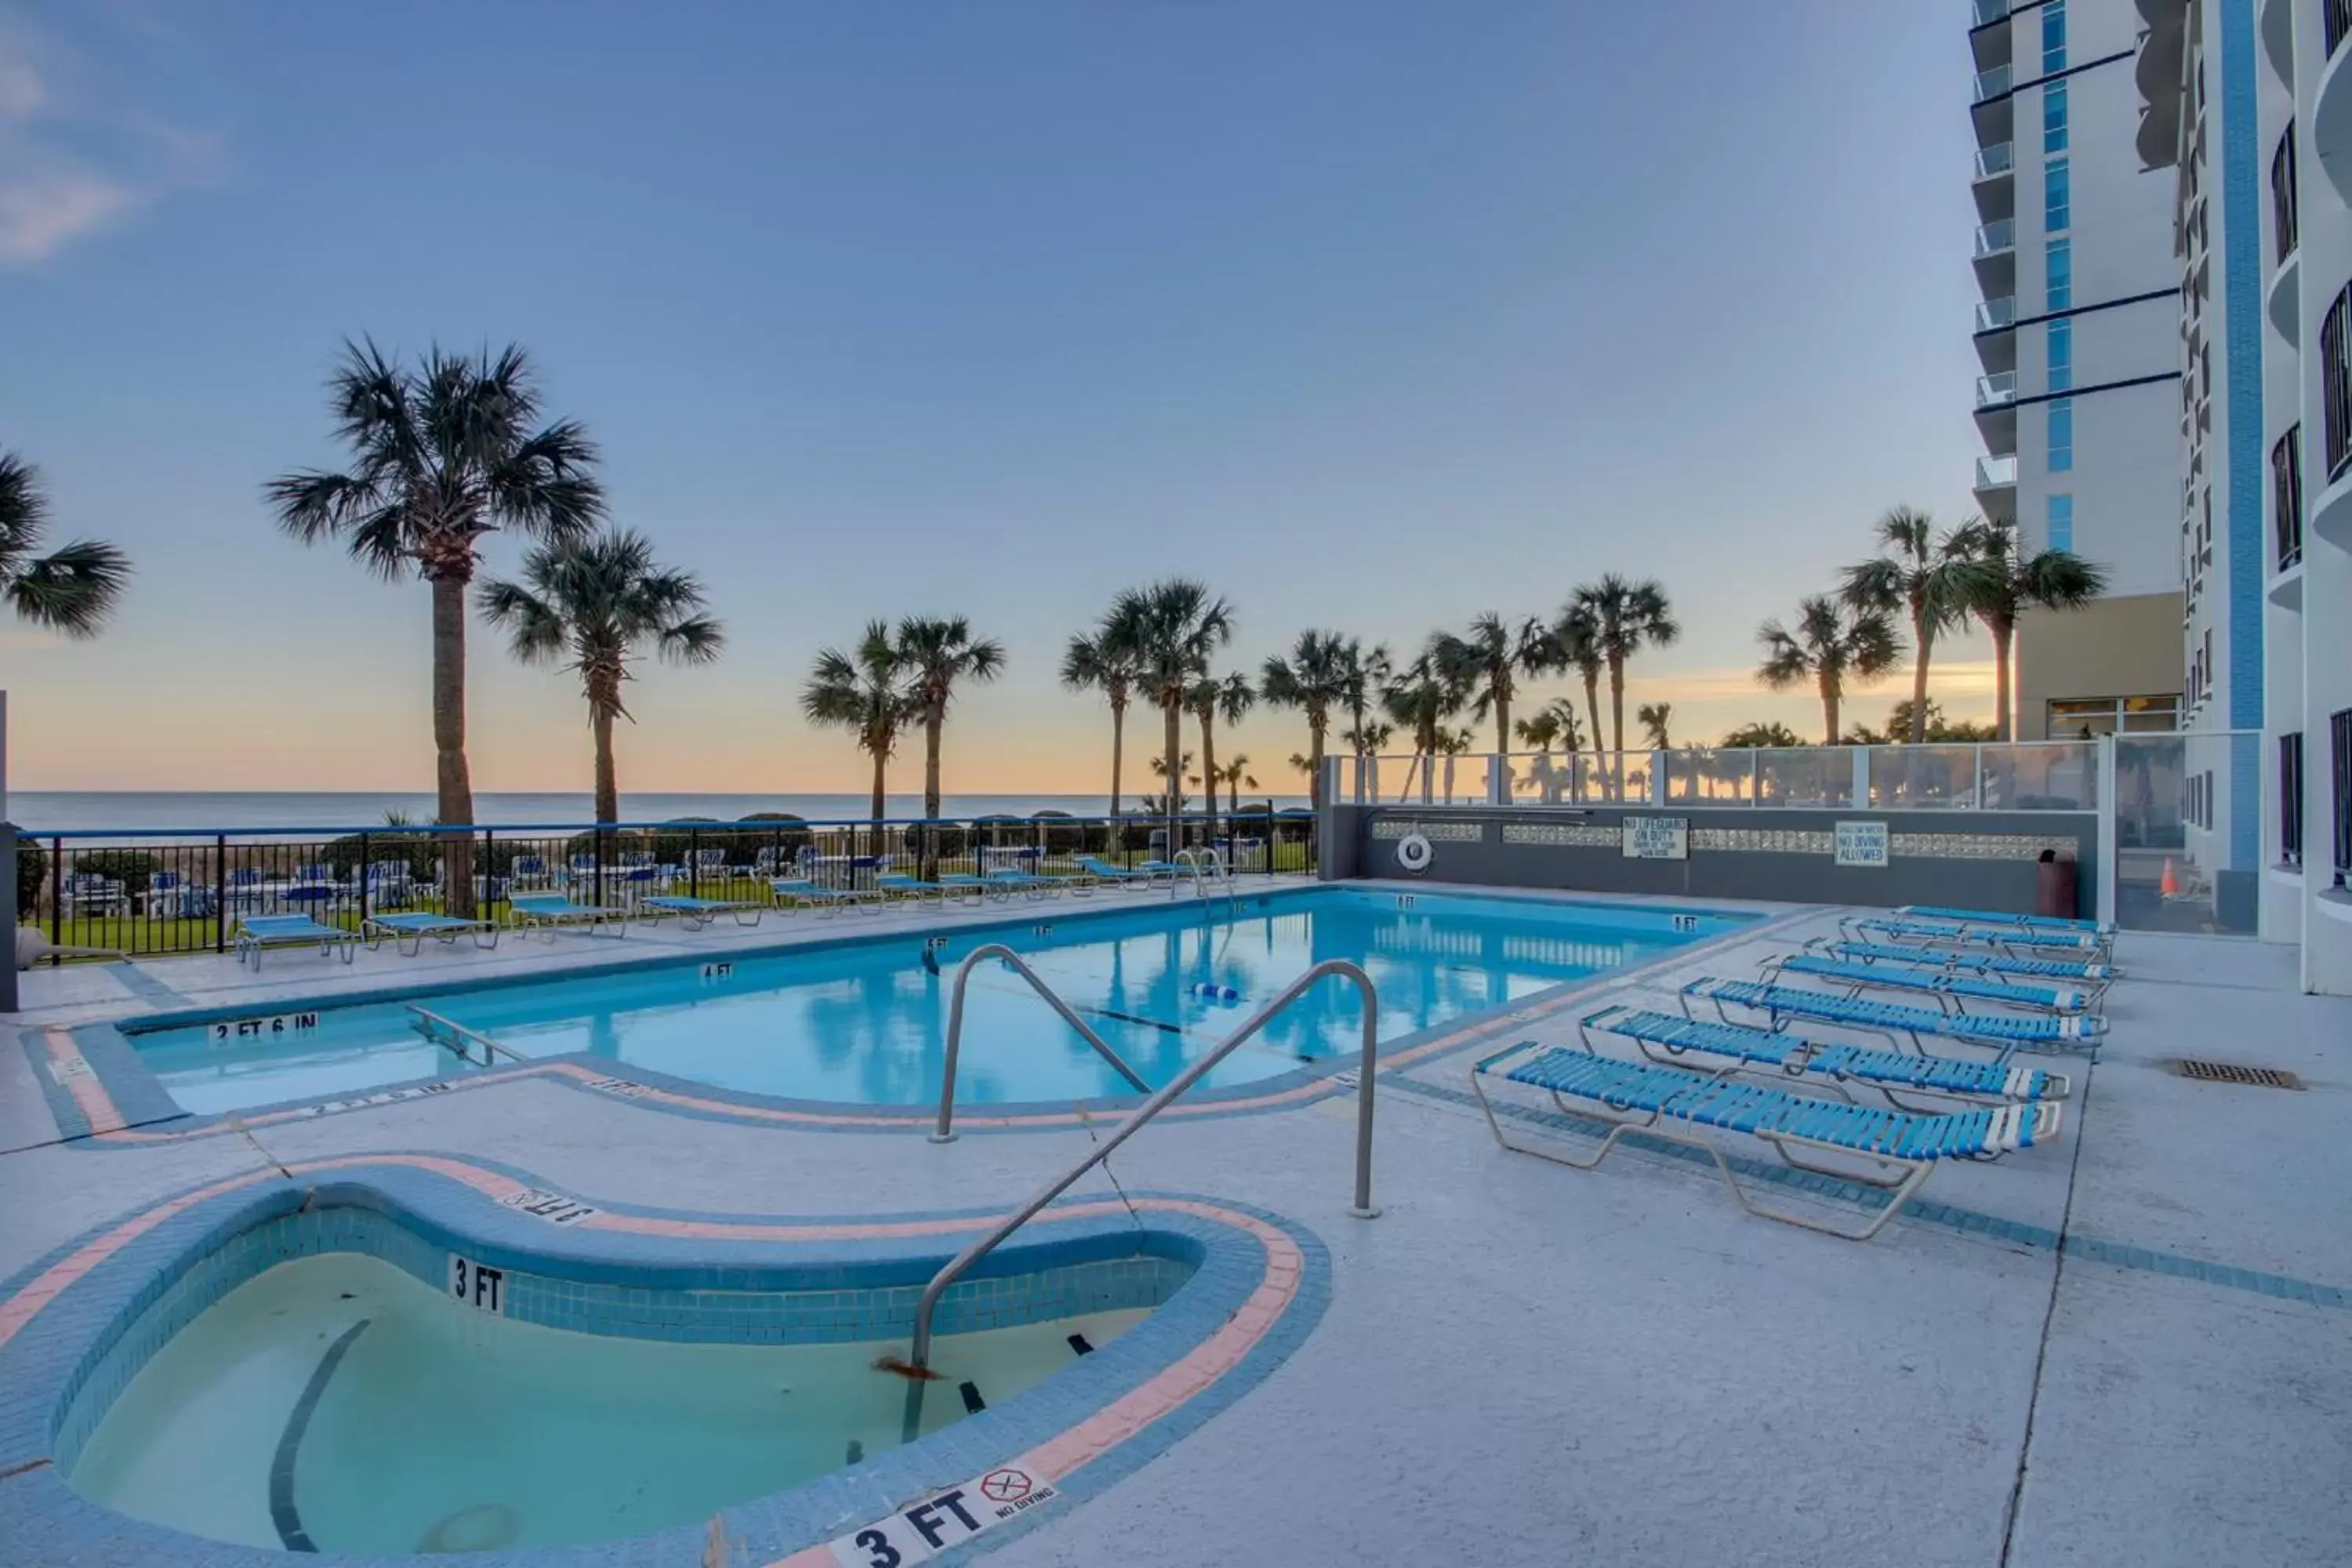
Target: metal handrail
{"x":1361,"y":1209}
{"x":945,"y":1132}
{"x":1195,"y":860}
{"x":428,"y":1022}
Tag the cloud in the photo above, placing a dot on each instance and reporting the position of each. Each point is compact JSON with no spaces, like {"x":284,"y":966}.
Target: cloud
{"x":71,"y":166}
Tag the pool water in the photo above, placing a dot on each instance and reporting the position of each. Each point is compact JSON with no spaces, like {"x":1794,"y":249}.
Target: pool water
{"x":440,"y":1428}
{"x":865,"y":1022}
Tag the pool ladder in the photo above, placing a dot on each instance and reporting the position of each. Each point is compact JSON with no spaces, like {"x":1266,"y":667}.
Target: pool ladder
{"x":1207,"y":868}
{"x":957,"y":1266}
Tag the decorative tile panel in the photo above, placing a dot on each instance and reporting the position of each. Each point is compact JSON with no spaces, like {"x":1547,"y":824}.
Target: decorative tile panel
{"x":1980,"y":845}
{"x":1579,"y":835}
{"x":1436,"y":831}
{"x":1765,"y":840}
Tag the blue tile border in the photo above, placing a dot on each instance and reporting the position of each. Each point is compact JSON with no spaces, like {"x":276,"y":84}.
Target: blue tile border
{"x":425,"y":1214}
{"x":143,"y":1102}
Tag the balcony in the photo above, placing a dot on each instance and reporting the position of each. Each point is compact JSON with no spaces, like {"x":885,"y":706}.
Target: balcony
{"x":1996,"y":391}
{"x":2330,"y":120}
{"x":1996,"y":161}
{"x":1995,"y":487}
{"x":1993,"y":182}
{"x":1997,"y":315}
{"x":1985,"y":13}
{"x":1995,"y":83}
{"x":2336,"y":24}
{"x":2278,"y":37}
{"x":1995,"y":240}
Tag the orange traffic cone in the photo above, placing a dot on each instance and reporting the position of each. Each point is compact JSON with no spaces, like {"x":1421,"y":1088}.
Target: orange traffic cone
{"x":2169,"y":885}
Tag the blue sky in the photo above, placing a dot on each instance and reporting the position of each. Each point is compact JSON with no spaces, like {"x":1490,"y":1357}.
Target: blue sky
{"x":1375,"y":315}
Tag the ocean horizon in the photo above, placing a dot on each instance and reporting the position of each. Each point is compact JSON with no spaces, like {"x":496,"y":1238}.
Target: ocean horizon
{"x":147,"y":810}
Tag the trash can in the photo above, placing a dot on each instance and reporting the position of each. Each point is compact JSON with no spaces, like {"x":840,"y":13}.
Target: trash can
{"x":2054,"y":885}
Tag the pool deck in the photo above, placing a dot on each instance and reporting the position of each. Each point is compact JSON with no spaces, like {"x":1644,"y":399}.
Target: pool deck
{"x":2132,"y":1346}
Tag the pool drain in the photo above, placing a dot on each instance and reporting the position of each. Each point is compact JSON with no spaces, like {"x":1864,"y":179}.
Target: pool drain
{"x":478,"y":1527}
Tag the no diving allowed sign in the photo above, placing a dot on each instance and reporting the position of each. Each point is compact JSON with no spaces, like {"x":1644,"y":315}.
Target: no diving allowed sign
{"x":944,"y":1519}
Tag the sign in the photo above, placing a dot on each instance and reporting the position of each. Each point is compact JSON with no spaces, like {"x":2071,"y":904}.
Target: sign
{"x":255,"y":1029}
{"x":1040,"y":931}
{"x":1686,"y":923}
{"x":627,"y":1089}
{"x":944,"y":1520}
{"x":553,"y":1207}
{"x":1657,"y":837}
{"x":1862,"y":843}
{"x":70,"y":1068}
{"x":388,"y":1097}
{"x":720,"y":971}
{"x":935,"y":944}
{"x":478,"y":1285}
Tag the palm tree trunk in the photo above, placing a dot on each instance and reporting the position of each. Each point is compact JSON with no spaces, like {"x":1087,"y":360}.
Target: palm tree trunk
{"x":455,"y":783}
{"x":1503,"y":721}
{"x":2002,"y":632}
{"x":1617,"y":725}
{"x":881,"y":804}
{"x":1922,"y":638}
{"x":1233,"y":793}
{"x":1592,"y":706}
{"x":1117,"y":745}
{"x":1173,"y":733}
{"x":1209,"y":768}
{"x":1829,"y":685}
{"x":1315,"y":762}
{"x":934,"y":724}
{"x":608,"y":784}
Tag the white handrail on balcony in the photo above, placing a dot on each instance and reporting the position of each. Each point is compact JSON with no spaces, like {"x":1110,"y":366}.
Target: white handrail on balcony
{"x":1994,"y":390}
{"x":1998,"y":159}
{"x":1992,"y":83}
{"x":1985,"y":11}
{"x":1997,"y":472}
{"x":1994,"y":315}
{"x":1992,"y":238}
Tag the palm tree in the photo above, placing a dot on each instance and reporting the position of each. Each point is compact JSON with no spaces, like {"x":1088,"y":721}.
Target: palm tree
{"x":1555,"y":721}
{"x":1364,"y":673}
{"x":862,"y":690}
{"x":1104,"y":660}
{"x":1421,"y":696}
{"x":1932,"y":576}
{"x":1576,"y":638}
{"x":935,"y":652}
{"x":71,"y":591}
{"x":1761,"y":737}
{"x":1489,"y":660}
{"x":1176,"y":624}
{"x":1627,"y":617}
{"x":2009,"y":581}
{"x":1370,"y":738}
{"x":1233,"y":775}
{"x":443,"y":453}
{"x":1210,"y":698}
{"x":1832,"y":641}
{"x":1652,"y":717}
{"x":601,"y":600}
{"x":1314,"y":678}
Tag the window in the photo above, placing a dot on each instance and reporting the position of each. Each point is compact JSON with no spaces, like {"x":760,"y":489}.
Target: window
{"x":2083,"y":717}
{"x":2058,"y":270}
{"x":2057,"y":196}
{"x":2339,"y":747}
{"x":2062,"y":355}
{"x":2054,"y":36}
{"x":2286,"y":496}
{"x":2336,"y":383}
{"x":2062,"y":435}
{"x":2291,"y":799}
{"x":2284,"y":222}
{"x":2054,"y":117}
{"x":2062,"y":522}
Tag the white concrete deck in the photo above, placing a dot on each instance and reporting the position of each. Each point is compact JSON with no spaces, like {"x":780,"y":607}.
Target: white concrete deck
{"x":1524,"y":1363}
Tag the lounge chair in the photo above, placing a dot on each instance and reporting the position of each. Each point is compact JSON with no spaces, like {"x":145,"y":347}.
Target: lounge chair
{"x":2093,"y":975}
{"x":409,"y":929}
{"x":551,"y":912}
{"x":2004,"y":1033}
{"x":1667,"y":1038}
{"x":1033,"y":884}
{"x":1149,"y":872}
{"x":256,"y":932}
{"x":1948,"y":987}
{"x":1896,"y":1149}
{"x":695,"y":914}
{"x":2011,"y":940}
{"x":898,"y":885}
{"x":2002,"y":916}
{"x":791,"y":892}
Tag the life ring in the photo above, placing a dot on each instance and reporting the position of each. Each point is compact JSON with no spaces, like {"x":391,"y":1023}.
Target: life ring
{"x":1413,"y":853}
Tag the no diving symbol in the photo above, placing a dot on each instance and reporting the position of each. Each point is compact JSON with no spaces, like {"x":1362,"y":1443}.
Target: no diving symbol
{"x":1005,"y":1485}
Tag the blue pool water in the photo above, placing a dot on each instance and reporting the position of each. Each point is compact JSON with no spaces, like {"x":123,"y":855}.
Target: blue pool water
{"x":865,"y":1022}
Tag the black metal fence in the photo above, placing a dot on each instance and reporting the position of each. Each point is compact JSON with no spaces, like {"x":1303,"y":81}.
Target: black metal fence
{"x":2286,"y":496}
{"x":2339,"y":746}
{"x":185,"y":890}
{"x":2283,"y":221}
{"x":2335,"y":23}
{"x":2336,"y":383}
{"x":2289,"y":782}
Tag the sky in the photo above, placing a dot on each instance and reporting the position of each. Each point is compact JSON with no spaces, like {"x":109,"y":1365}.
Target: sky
{"x":1374,"y":315}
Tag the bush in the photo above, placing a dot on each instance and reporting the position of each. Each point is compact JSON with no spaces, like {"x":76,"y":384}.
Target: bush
{"x":129,"y":866}
{"x":32,"y":871}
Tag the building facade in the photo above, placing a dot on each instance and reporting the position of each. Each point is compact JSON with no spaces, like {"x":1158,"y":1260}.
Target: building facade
{"x":2248,"y":105}
{"x":2077,"y":332}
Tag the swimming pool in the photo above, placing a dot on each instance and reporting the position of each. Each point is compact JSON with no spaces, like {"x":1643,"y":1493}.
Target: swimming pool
{"x":864,"y":1021}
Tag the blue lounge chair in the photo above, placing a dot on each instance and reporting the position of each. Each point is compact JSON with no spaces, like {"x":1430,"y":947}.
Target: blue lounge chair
{"x":1893,"y":1149}
{"x":2004,"y":1033}
{"x":1668,"y":1038}
{"x":794,"y":892}
{"x":1949,"y":988}
{"x":256,"y":932}
{"x":2011,"y":940}
{"x":551,"y":912}
{"x":1149,"y":872}
{"x":898,"y":885}
{"x":2094,"y":976}
{"x":2002,"y":916}
{"x":695,"y":914}
{"x":409,"y":929}
{"x":1033,"y":884}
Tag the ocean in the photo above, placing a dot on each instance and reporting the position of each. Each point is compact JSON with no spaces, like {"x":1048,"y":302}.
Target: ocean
{"x":146,"y":811}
